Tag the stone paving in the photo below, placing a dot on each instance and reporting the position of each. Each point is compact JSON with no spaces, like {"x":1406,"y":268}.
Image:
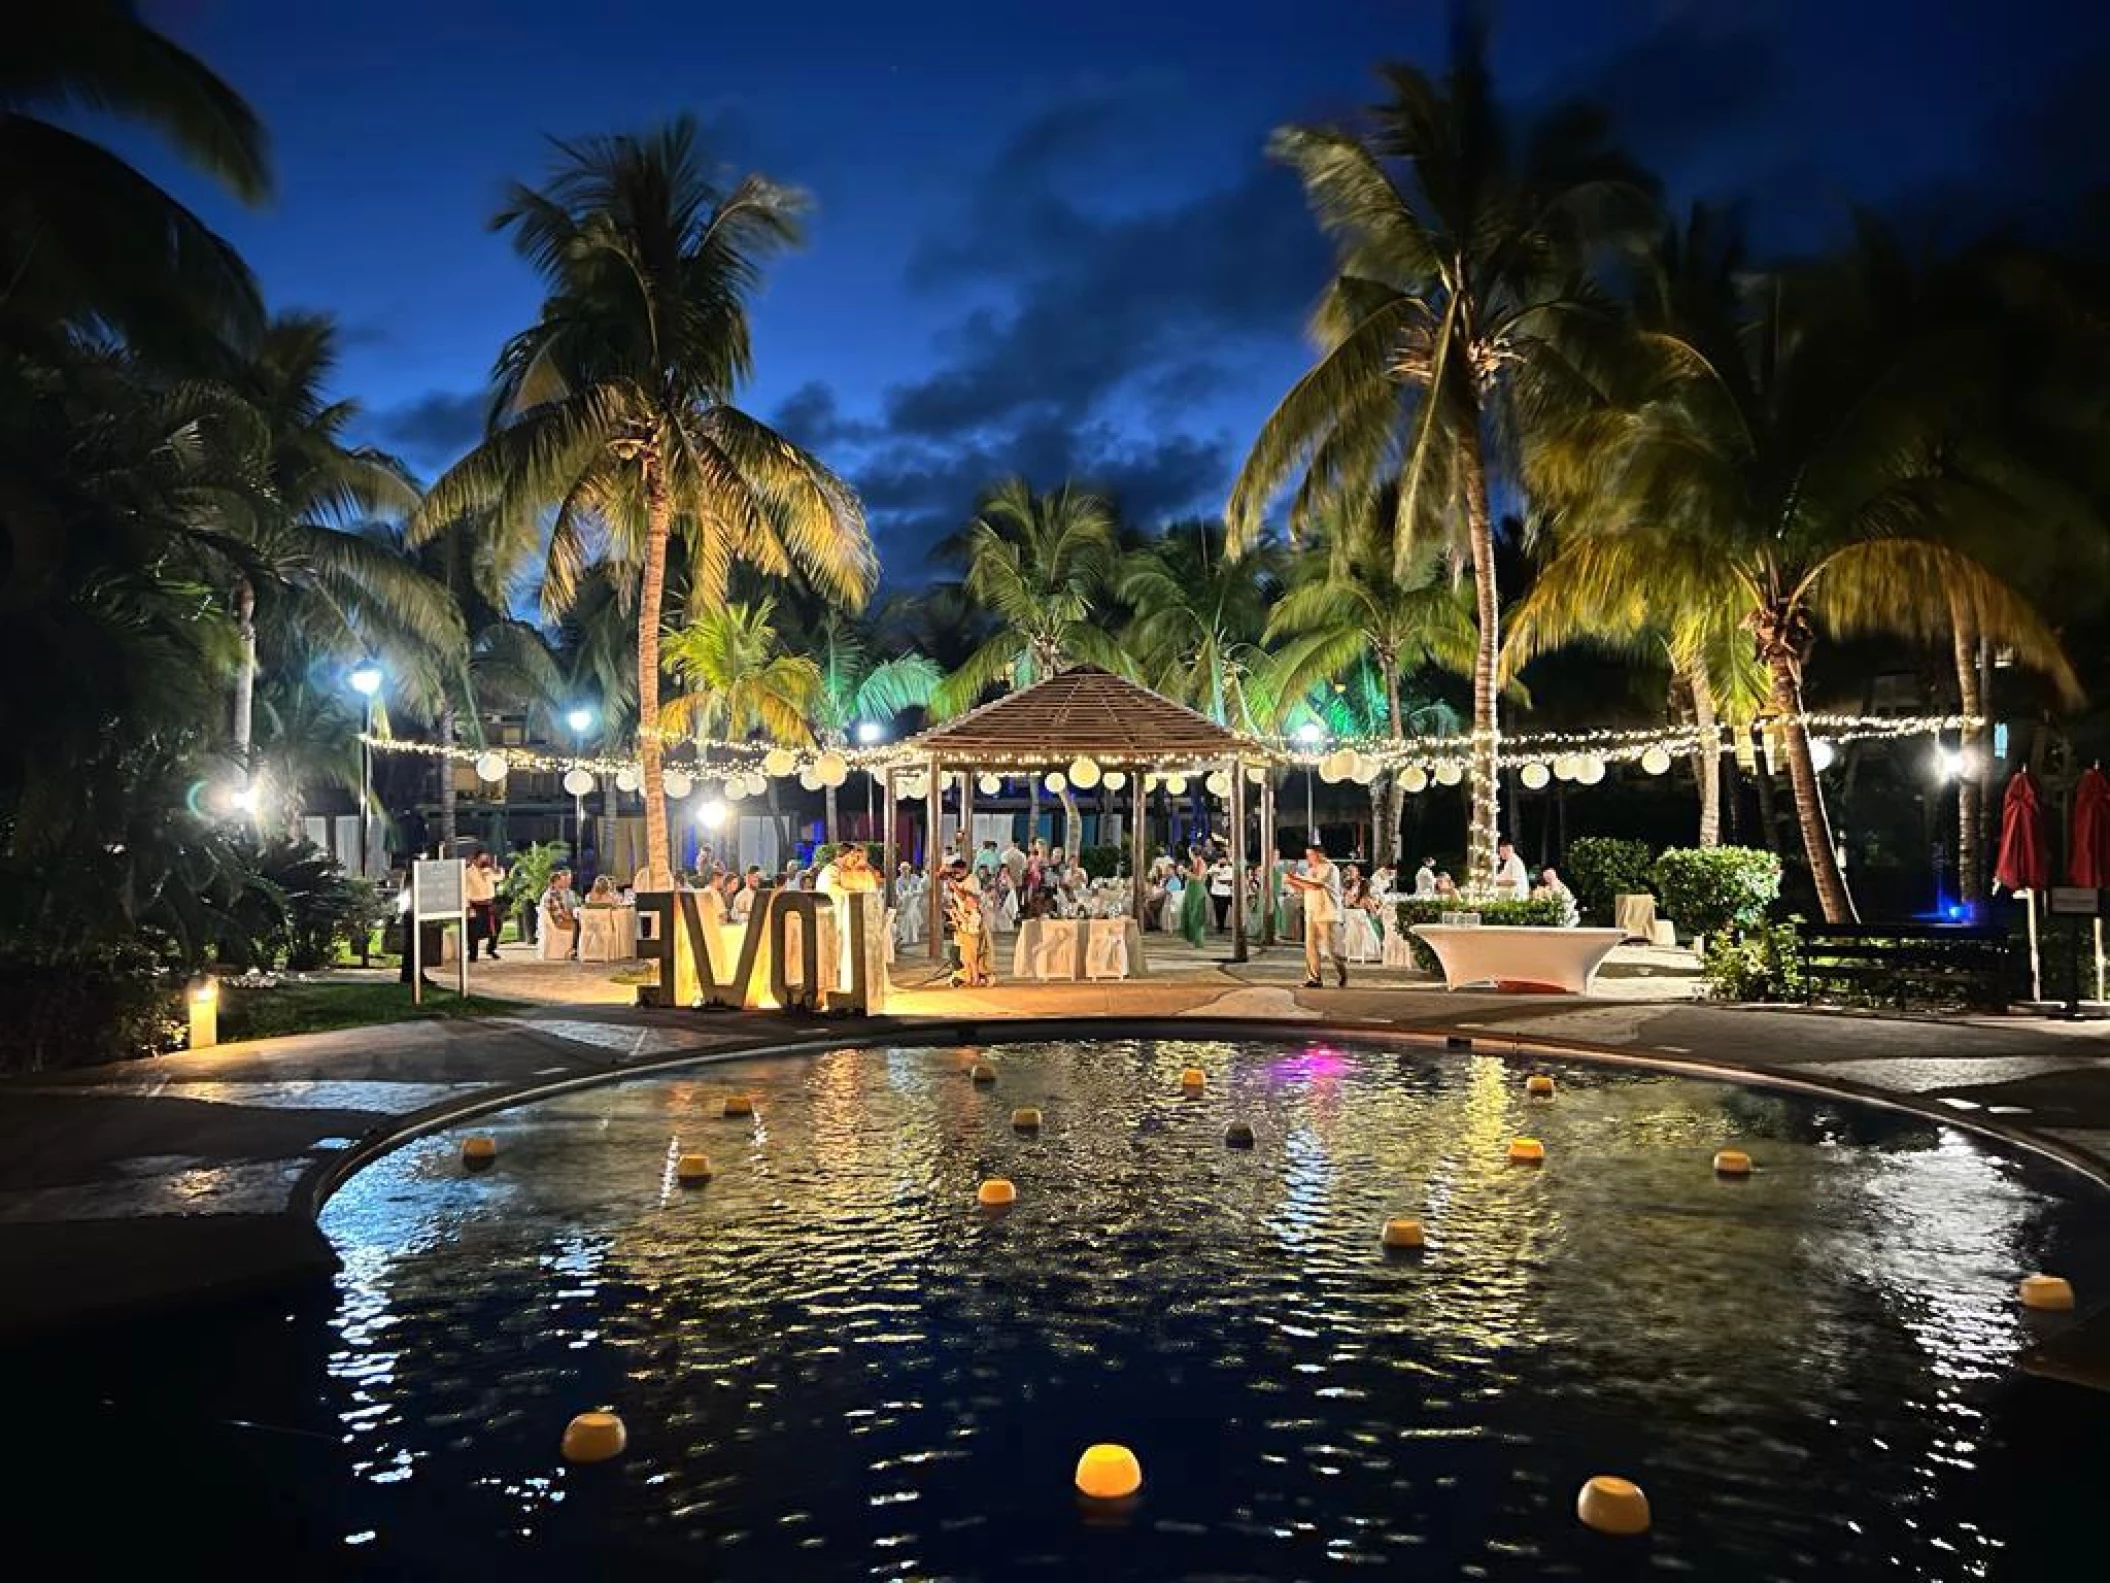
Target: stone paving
{"x":191,"y":1176}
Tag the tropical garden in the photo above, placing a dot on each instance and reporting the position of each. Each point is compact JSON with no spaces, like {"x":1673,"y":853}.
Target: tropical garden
{"x":1562,"y":460}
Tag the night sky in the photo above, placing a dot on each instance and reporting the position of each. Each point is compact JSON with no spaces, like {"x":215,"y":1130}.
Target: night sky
{"x":1045,"y":239}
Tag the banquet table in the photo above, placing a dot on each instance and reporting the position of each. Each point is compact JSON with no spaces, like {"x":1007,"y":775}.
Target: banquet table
{"x":1078,"y":948}
{"x":1535,"y":957}
{"x":607,"y":934}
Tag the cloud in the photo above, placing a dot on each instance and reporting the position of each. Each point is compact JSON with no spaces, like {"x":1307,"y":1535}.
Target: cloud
{"x":1701,"y":74}
{"x":434,"y":430}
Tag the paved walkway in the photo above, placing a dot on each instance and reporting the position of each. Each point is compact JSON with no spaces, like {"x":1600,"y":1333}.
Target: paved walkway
{"x":194,"y":1175}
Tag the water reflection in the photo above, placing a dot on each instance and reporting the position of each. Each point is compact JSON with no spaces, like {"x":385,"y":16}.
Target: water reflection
{"x":832,"y":1364}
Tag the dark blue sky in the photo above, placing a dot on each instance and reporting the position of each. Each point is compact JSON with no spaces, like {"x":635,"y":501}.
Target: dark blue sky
{"x":1045,"y":238}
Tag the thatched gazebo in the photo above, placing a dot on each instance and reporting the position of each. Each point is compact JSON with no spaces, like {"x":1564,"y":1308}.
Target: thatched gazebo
{"x":1080,"y":714}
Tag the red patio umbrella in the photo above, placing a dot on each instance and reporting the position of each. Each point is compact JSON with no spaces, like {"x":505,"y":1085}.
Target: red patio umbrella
{"x":2088,"y":862}
{"x":2025,"y":859}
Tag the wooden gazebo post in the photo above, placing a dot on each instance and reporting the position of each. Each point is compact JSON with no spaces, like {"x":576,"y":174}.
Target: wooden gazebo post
{"x":1267,"y":858}
{"x":1135,"y":846}
{"x":1236,"y":771}
{"x":887,"y":856}
{"x":934,"y":824}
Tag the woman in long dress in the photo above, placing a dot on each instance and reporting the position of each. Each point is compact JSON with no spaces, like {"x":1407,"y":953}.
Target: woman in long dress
{"x":1194,"y":900}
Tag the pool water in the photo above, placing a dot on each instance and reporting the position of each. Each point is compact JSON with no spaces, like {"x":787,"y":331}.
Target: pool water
{"x":832,"y":1363}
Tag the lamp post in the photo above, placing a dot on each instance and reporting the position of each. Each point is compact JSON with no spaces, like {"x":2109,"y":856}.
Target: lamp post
{"x":580,"y":719}
{"x":1311,"y":733}
{"x":366,"y":682}
{"x":869,"y":734}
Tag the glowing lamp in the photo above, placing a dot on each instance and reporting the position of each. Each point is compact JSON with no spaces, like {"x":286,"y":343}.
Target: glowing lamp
{"x":831,"y":769}
{"x":1404,"y":1234}
{"x":1539,"y":1086}
{"x":1535,"y":776}
{"x":2049,"y":1294}
{"x":1414,"y":778}
{"x":711,"y":814}
{"x":1114,"y":780}
{"x":692,"y":1169}
{"x":491,"y":766}
{"x":1310,"y":732}
{"x":1057,"y":782}
{"x":1084,"y":773}
{"x":737,"y":1105}
{"x":1526,"y":1151}
{"x":1176,"y":785}
{"x":809,"y":779}
{"x":1239,"y":1135}
{"x":1656,"y":760}
{"x":1108,"y":1473}
{"x":1732,"y":1162}
{"x":203,"y":1003}
{"x":594,"y":1437}
{"x":479,"y":1151}
{"x":366,"y":679}
{"x":1449,"y":773}
{"x":677,"y":785}
{"x":1193,"y":1079}
{"x":578,"y":782}
{"x":1026,"y":1119}
{"x":995,"y":1193}
{"x":870,"y":731}
{"x":1613,"y":1506}
{"x":778,"y":761}
{"x":989,"y":785}
{"x":982,"y":1072}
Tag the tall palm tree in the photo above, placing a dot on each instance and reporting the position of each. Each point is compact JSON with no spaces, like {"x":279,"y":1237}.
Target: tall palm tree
{"x":83,"y":235}
{"x":1821,"y":479}
{"x":1348,"y":603}
{"x":739,"y":681}
{"x":614,"y":408}
{"x":1462,"y":298}
{"x":1198,"y":620}
{"x":856,"y":685}
{"x":1042,"y":566}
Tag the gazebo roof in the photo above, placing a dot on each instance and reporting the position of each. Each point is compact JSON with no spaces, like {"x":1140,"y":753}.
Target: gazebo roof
{"x":1084,"y":712}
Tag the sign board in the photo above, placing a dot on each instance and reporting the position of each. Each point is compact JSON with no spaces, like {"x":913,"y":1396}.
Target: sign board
{"x":437,"y":895}
{"x":2075,"y":901}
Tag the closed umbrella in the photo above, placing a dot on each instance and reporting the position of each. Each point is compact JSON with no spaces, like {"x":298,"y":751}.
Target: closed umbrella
{"x":2024,"y":863}
{"x":2088,"y":865}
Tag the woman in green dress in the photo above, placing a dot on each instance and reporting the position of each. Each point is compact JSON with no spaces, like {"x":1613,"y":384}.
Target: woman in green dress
{"x":1194,"y":901}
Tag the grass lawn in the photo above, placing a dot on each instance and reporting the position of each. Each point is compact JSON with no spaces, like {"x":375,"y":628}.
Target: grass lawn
{"x":312,"y":1008}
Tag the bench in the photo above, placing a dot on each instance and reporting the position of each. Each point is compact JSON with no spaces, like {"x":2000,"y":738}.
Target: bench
{"x":1519,"y":956}
{"x":1907,"y":965}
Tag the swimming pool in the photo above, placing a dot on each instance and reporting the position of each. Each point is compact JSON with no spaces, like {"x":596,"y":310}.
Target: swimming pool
{"x":832,"y":1363}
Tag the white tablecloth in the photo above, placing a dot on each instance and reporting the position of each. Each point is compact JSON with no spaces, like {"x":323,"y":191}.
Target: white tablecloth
{"x":607,"y":934}
{"x":1507,"y":954}
{"x":1075,"y":948}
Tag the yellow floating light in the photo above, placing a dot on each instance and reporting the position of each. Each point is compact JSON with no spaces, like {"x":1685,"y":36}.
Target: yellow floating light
{"x":1539,"y":1086}
{"x":594,"y":1437}
{"x":1193,"y":1079}
{"x":693,"y":1168}
{"x":479,"y":1150}
{"x":982,"y":1072}
{"x":1108,"y":1473}
{"x":1026,"y":1119}
{"x":1526,"y":1151}
{"x":203,"y":1003}
{"x":1613,"y":1506}
{"x":2049,"y":1294}
{"x":739,"y":1105}
{"x":1239,"y":1135}
{"x":1403,"y":1234}
{"x":1732,"y":1162}
{"x":995,"y":1193}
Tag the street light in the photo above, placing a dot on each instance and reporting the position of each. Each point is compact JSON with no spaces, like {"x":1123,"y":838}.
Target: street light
{"x":869,"y":733}
{"x":1311,"y":733}
{"x":580,"y":719}
{"x":366,"y":681}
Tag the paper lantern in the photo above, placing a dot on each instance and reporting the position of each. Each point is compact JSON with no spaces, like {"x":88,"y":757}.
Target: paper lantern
{"x":1366,"y":769}
{"x":778,"y":761}
{"x":757,"y":784}
{"x":1535,"y":776}
{"x":1057,"y":782}
{"x":1656,"y":760}
{"x":1821,"y":754}
{"x":578,"y":782}
{"x":1176,"y":785}
{"x":1084,"y":774}
{"x":1256,"y":773}
{"x":808,"y":780}
{"x":1590,"y":770}
{"x":1333,"y":769}
{"x":1414,"y":778}
{"x":490,"y":766}
{"x":1449,"y":773}
{"x":735,"y":788}
{"x":1564,"y":767}
{"x":1153,"y":781}
{"x":677,"y":785}
{"x":989,"y":785}
{"x":1218,"y":784}
{"x":1114,"y":780}
{"x":626,"y":779}
{"x":831,"y":768}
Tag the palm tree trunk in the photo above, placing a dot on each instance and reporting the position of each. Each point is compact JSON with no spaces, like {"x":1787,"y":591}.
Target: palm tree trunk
{"x":652,"y":588}
{"x":1485,"y":827}
{"x":1032,"y":806}
{"x":1970,"y":789}
{"x":245,"y":672}
{"x":609,"y":808}
{"x":446,"y":767}
{"x":1395,"y":793}
{"x":831,"y":815}
{"x":1707,"y":758}
{"x":1072,"y":824}
{"x":1832,"y":894}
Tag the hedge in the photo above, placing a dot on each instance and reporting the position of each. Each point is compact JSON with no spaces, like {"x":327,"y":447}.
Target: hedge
{"x":1708,"y":889}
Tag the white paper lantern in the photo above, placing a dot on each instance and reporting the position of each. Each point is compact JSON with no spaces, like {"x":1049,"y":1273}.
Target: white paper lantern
{"x":1366,"y":769}
{"x":831,"y":768}
{"x":578,"y":782}
{"x":1656,"y":759}
{"x":677,"y":785}
{"x":1114,"y":780}
{"x":490,"y":766}
{"x":1590,"y":771}
{"x":1256,"y":773}
{"x":1535,"y":776}
{"x":1056,"y":782}
{"x":1218,"y":783}
{"x":626,"y":779}
{"x":1332,"y":767}
{"x":808,"y":779}
{"x":757,"y":784}
{"x":1153,"y":781}
{"x":735,"y":788}
{"x":1449,"y":773}
{"x":1821,"y":754}
{"x":1084,"y":773}
{"x":989,"y":785}
{"x":1176,"y":785}
{"x":1414,"y":778}
{"x":778,"y":761}
{"x":1564,"y":767}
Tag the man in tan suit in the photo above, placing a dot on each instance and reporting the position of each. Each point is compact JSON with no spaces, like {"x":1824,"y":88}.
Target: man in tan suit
{"x":1320,"y":887}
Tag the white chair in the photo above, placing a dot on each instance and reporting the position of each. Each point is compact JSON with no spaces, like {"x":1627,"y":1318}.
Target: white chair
{"x":553,"y":941}
{"x":1360,"y":938}
{"x":600,"y":937}
{"x":1052,"y":952}
{"x":1106,"y":948}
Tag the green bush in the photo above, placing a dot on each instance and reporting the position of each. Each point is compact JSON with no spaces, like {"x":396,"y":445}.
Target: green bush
{"x":1708,"y":889}
{"x":1600,"y":867}
{"x":527,"y":877}
{"x":75,"y":1009}
{"x":1512,"y":913}
{"x":1100,"y":862}
{"x":1762,"y":962}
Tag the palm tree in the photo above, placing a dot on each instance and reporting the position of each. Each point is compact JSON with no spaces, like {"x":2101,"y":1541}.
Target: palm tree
{"x":87,"y":237}
{"x":1198,"y":620}
{"x":1463,"y":296}
{"x":740,"y":681}
{"x":614,"y":409}
{"x":1041,"y":566}
{"x":1820,"y":479}
{"x":856,"y":685}
{"x":1348,"y":604}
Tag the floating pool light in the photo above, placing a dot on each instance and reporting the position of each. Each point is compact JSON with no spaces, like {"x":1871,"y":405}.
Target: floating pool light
{"x":1526,"y":1151}
{"x":594,"y":1437}
{"x":479,"y":1151}
{"x":1613,"y":1506}
{"x":692,"y":1169}
{"x":1108,"y":1473}
{"x":1194,"y":1079}
{"x":1026,"y":1119}
{"x":1539,"y":1086}
{"x":995,"y":1193}
{"x":1239,"y":1135}
{"x":1404,"y":1234}
{"x":739,"y":1105}
{"x":982,"y":1072}
{"x":2049,"y":1294}
{"x":1732,"y":1162}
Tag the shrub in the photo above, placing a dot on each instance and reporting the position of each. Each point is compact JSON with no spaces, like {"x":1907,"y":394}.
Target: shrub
{"x":1513,"y":912}
{"x":1600,"y":867}
{"x":527,"y":877}
{"x":79,"y":1009}
{"x":1100,"y":862}
{"x":1709,"y":889}
{"x":1762,"y":962}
